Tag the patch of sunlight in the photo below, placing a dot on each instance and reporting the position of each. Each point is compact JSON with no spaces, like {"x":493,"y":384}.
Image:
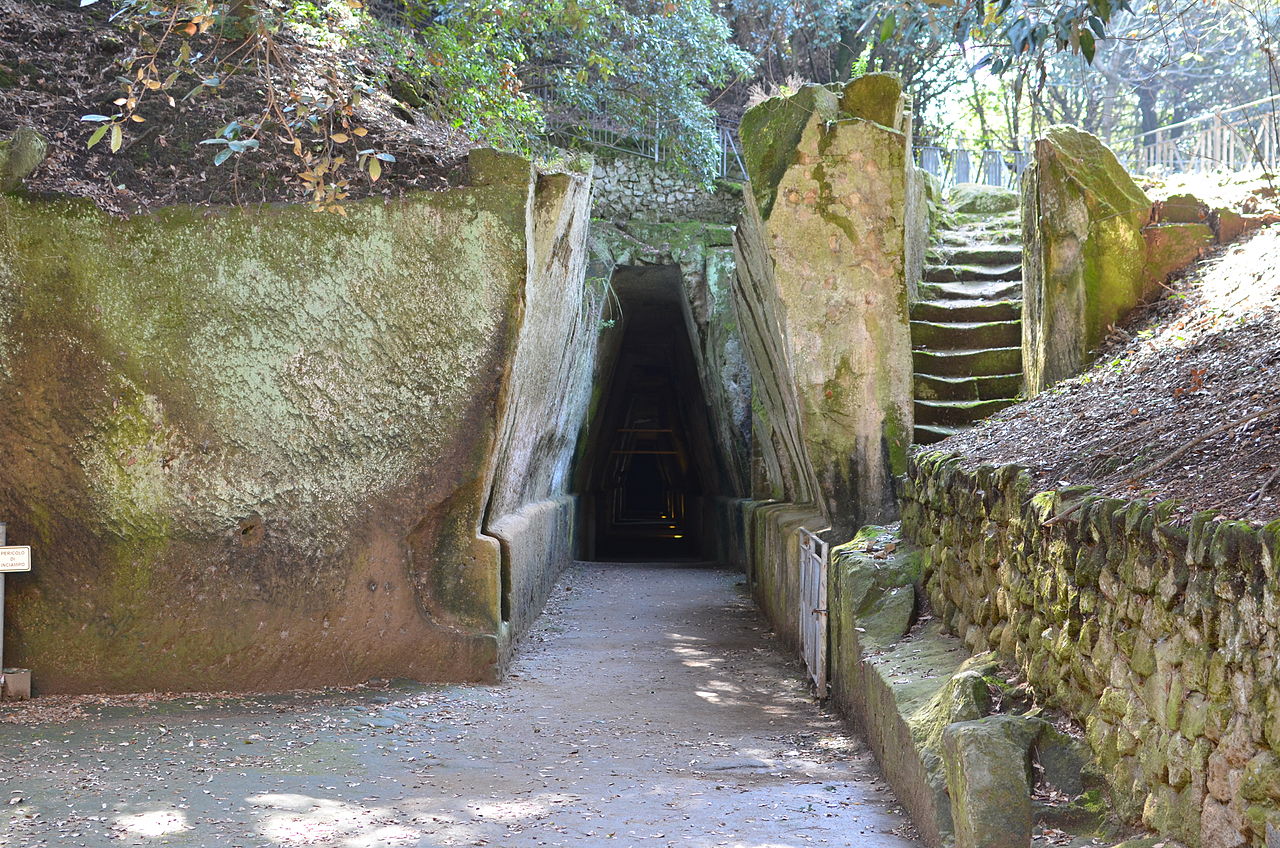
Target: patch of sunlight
{"x":685,"y":638}
{"x":709,"y":697}
{"x":516,"y":810}
{"x":301,"y":819}
{"x":1242,"y":279}
{"x":724,"y":686}
{"x":384,"y":837}
{"x":695,"y":658}
{"x":153,"y":824}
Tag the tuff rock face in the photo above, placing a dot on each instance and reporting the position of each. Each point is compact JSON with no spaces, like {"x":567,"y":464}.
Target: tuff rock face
{"x":1084,"y":255}
{"x":834,"y":210}
{"x":256,"y":448}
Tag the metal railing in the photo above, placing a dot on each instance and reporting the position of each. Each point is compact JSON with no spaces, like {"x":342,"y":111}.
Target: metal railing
{"x":960,"y":163}
{"x":731,"y":165}
{"x":598,"y":131}
{"x":1235,"y":139}
{"x":813,"y":608}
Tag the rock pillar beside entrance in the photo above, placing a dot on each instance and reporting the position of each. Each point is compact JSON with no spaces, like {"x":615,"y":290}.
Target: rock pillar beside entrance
{"x":823,"y":271}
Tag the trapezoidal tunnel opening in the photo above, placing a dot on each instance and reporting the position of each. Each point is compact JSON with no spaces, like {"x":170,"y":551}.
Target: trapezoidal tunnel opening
{"x":652,"y":471}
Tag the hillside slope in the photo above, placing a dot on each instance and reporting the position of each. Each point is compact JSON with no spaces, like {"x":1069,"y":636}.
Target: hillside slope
{"x":60,"y":62}
{"x":1184,"y":403}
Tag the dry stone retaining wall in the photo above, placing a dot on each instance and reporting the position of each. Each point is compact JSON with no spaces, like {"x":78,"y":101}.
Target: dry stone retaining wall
{"x":627,"y":188}
{"x":1160,"y":639}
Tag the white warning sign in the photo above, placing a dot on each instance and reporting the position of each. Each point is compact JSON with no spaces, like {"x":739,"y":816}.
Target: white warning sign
{"x":15,"y":558}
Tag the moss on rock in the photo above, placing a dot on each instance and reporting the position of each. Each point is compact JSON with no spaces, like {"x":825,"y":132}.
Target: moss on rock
{"x":982,"y":200}
{"x":256,"y":445}
{"x":1084,"y":266}
{"x":874,"y":97}
{"x":770,"y":132}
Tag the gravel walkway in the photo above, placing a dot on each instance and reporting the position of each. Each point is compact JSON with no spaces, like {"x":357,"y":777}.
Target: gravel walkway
{"x":649,"y":707}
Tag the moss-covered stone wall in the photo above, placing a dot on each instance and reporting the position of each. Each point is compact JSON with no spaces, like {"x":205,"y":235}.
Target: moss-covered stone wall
{"x":1160,"y":639}
{"x":254,"y":448}
{"x":629,"y":188}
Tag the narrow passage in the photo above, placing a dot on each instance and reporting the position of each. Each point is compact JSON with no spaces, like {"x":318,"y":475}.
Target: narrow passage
{"x":649,"y":707}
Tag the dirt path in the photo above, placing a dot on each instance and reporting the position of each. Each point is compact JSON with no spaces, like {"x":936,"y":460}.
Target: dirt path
{"x":650,"y":707}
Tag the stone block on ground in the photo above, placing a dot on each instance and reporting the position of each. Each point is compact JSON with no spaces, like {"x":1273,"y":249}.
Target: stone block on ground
{"x":988,"y":779}
{"x":1171,"y":248}
{"x":1084,"y":262}
{"x":20,"y":156}
{"x":878,"y":575}
{"x":978,"y":199}
{"x":1181,"y":209}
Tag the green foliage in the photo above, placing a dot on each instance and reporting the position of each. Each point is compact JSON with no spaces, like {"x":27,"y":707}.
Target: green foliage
{"x":643,"y":68}
{"x":1028,"y":26}
{"x":834,"y":40}
{"x":460,"y":71}
{"x":495,"y":67}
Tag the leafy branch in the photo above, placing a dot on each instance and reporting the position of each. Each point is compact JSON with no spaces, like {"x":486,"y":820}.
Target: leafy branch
{"x":210,"y":44}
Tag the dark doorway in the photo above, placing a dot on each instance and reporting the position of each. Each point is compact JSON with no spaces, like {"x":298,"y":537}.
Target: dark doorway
{"x":651,"y":472}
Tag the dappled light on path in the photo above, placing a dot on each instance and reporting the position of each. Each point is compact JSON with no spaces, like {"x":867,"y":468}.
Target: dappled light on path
{"x":154,"y":824}
{"x":649,"y":707}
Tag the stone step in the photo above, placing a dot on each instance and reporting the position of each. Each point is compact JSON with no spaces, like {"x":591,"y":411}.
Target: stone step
{"x":968,"y":363}
{"x":986,"y":221}
{"x":971,"y":291}
{"x":973,"y":236}
{"x":927,"y":434}
{"x":976,"y":254}
{"x":955,"y":335}
{"x":975,"y":273}
{"x":957,"y":413}
{"x":966,"y":310}
{"x":994,"y":387}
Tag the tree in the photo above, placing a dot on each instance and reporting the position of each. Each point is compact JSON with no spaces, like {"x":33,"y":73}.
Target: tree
{"x":826,"y":41}
{"x":638,"y":66}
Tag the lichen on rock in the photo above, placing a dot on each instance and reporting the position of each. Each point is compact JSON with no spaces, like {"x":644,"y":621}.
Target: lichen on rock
{"x":1084,"y":254}
{"x":256,"y":446}
{"x":829,"y":213}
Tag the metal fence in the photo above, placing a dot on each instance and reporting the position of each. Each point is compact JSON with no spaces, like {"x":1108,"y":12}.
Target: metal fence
{"x":1235,"y":139}
{"x":949,"y":163}
{"x":813,"y":608}
{"x":960,"y":163}
{"x":600,"y":132}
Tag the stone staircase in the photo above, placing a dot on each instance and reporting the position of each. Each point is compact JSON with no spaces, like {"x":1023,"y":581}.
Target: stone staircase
{"x":966,"y":325}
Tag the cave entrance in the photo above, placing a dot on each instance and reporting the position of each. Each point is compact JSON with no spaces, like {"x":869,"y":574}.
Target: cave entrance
{"x":652,"y":471}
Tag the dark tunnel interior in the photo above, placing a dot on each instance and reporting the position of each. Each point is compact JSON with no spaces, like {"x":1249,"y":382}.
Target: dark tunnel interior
{"x":652,"y":470}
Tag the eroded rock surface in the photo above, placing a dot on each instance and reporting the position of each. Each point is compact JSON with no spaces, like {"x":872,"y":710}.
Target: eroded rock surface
{"x":254,"y":448}
{"x":822,"y":266}
{"x":1084,"y":257}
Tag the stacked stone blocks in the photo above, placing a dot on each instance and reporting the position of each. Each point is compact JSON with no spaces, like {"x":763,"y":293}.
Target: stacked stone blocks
{"x":1160,"y":638}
